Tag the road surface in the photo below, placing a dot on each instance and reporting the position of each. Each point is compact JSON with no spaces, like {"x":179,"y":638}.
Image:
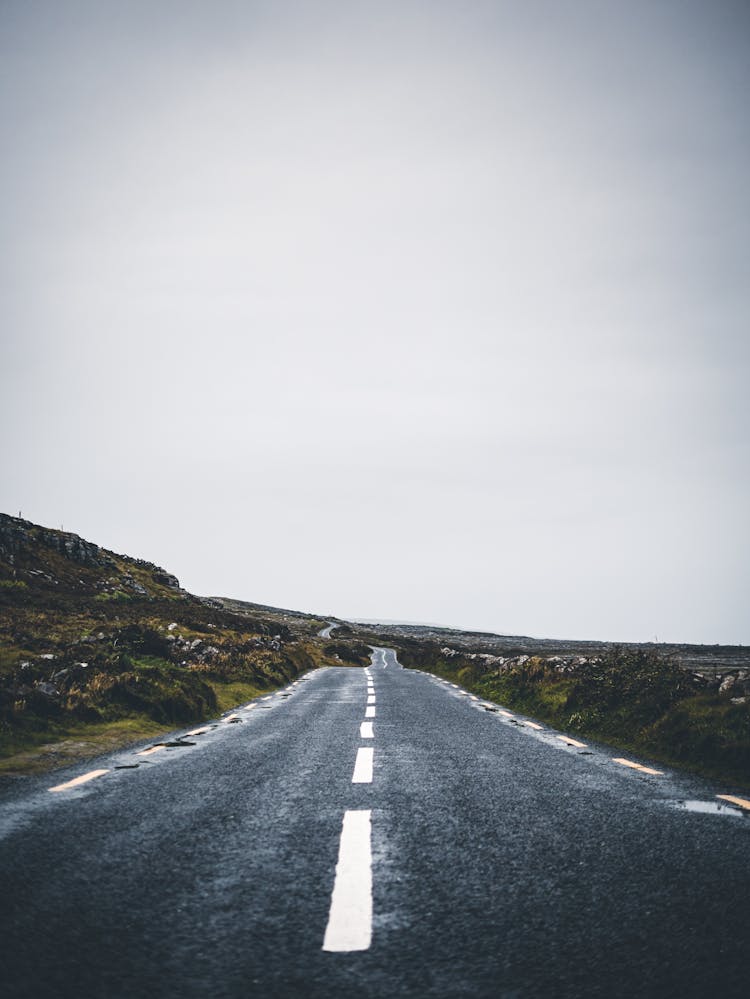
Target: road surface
{"x":404,"y":840}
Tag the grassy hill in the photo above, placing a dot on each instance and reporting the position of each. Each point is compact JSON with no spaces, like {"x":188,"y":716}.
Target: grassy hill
{"x":98,"y":648}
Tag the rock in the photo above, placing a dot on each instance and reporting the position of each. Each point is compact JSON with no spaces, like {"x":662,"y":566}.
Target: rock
{"x":48,"y":689}
{"x":738,"y":700}
{"x":727,"y":683}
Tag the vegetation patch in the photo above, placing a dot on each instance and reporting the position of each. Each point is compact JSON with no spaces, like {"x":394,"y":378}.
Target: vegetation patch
{"x":95,"y":645}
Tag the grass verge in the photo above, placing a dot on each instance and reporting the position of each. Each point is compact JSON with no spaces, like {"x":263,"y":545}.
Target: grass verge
{"x":23,"y":753}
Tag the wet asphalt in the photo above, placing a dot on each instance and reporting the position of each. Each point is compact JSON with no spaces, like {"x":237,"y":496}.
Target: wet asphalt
{"x":505,"y":863}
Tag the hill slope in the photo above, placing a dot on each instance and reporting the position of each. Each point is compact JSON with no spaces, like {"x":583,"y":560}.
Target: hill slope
{"x":91,"y":638}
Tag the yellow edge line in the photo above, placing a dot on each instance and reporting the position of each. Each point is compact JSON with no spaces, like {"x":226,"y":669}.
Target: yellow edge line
{"x":636,"y":766}
{"x":742,"y":802}
{"x":572,"y":742}
{"x":79,"y":780}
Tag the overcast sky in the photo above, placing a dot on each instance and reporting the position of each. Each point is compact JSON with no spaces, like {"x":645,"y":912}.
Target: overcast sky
{"x":422,"y":311}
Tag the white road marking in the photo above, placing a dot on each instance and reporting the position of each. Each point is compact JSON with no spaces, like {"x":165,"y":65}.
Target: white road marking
{"x":365,"y":731}
{"x":742,"y":802}
{"x":150,"y":750}
{"x":363,"y":766}
{"x":350,"y":916}
{"x":505,"y":714}
{"x":635,"y":766}
{"x":199,"y":731}
{"x":572,"y":742}
{"x":370,"y":711}
{"x":532,"y":724}
{"x":79,"y":780}
{"x":371,"y":699}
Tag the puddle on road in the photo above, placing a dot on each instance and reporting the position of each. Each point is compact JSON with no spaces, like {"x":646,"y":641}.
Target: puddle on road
{"x":707,"y":808}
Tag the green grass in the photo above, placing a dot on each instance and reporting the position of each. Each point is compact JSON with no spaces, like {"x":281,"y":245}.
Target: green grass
{"x":230,"y":695}
{"x":29,"y":752}
{"x":26,"y":751}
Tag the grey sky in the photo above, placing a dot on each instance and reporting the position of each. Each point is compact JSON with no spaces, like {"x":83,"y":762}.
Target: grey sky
{"x":426,"y":311}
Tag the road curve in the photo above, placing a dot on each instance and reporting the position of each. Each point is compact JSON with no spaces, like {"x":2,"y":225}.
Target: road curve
{"x":372,"y":832}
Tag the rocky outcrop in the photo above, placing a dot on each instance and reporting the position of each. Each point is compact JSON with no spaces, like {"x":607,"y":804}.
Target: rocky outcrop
{"x":18,"y":535}
{"x":23,"y":545}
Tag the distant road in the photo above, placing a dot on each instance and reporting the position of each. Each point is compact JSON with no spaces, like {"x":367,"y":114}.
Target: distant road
{"x":326,"y":632}
{"x":372,"y":833}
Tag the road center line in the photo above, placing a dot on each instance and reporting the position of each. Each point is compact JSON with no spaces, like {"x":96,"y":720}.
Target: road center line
{"x":350,"y":917}
{"x":635,"y":766}
{"x":150,"y":750}
{"x":79,"y":780}
{"x":370,"y":711}
{"x":532,"y":724}
{"x":370,"y":698}
{"x":366,"y":731}
{"x":363,"y":766}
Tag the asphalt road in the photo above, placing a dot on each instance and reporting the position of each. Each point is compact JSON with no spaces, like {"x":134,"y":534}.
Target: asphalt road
{"x":471,"y":855}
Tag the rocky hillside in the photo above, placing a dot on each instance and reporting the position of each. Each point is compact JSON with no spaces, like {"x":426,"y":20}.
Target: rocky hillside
{"x":90,"y":636}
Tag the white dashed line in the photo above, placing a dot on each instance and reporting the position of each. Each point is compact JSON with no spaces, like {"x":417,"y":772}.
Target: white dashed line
{"x":79,"y":780}
{"x":370,"y":711}
{"x":350,"y":917}
{"x":532,"y":724}
{"x":371,"y":699}
{"x":366,"y":731}
{"x":150,"y":750}
{"x":363,"y":766}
